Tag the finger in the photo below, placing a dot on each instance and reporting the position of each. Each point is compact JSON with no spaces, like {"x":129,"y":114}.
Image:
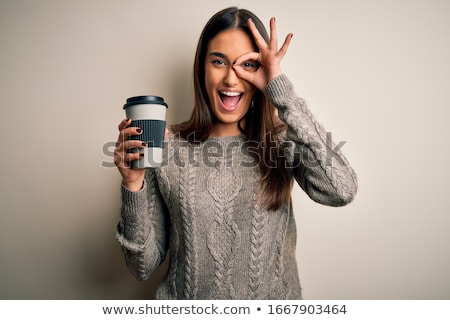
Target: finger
{"x":166,"y":134}
{"x":247,"y":56}
{"x":128,"y":151}
{"x":119,"y":161}
{"x":285,"y":46}
{"x":129,"y":131}
{"x":124,"y":123}
{"x":260,"y":42}
{"x":123,"y":159}
{"x":273,"y":42}
{"x":131,"y":144}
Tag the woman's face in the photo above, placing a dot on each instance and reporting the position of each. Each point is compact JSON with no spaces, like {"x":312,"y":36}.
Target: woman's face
{"x":229,"y":96}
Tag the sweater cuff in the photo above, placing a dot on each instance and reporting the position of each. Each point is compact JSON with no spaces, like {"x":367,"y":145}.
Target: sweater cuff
{"x":280,"y":89}
{"x":133,"y":202}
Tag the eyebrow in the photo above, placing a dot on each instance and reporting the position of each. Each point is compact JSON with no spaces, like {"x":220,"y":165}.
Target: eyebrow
{"x":218,"y":54}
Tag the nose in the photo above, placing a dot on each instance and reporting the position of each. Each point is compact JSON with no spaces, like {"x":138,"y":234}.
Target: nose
{"x":231,"y":79}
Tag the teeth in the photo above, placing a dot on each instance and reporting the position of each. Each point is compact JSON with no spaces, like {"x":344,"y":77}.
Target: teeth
{"x":230,"y":94}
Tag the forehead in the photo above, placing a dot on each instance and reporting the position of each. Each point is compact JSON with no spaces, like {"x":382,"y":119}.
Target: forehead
{"x":232,"y":43}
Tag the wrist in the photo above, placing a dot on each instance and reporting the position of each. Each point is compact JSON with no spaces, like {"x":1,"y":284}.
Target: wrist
{"x":134,"y":186}
{"x":274,"y":73}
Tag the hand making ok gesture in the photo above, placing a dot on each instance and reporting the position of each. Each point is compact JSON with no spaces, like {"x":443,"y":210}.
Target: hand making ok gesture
{"x":268,"y":57}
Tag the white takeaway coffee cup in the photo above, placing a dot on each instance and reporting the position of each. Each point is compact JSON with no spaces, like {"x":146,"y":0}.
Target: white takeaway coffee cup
{"x":149,"y":114}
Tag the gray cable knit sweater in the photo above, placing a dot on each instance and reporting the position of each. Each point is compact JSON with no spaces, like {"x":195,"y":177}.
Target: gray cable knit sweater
{"x":203,"y":204}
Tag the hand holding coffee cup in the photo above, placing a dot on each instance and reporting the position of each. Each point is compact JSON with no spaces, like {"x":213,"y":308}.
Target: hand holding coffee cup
{"x":132,"y":178}
{"x":127,"y":142}
{"x":148,"y":113}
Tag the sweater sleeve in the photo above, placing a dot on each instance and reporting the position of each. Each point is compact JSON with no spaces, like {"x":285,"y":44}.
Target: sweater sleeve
{"x":143,"y":228}
{"x":319,"y":166}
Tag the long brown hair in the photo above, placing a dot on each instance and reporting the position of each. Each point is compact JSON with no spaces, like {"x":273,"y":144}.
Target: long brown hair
{"x":262,"y":126}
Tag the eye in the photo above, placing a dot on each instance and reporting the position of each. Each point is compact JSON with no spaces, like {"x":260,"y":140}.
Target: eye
{"x":250,"y":65}
{"x":218,"y":62}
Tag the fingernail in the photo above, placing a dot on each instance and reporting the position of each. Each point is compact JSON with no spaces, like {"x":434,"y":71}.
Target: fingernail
{"x":138,"y":130}
{"x":127,"y":119}
{"x":144,"y":144}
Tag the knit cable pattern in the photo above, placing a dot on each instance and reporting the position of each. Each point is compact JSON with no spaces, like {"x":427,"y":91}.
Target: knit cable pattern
{"x":187,"y":210}
{"x":280,"y":286}
{"x":257,"y":235}
{"x":224,"y":235}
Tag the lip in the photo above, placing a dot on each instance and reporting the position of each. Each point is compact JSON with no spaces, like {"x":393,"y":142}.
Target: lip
{"x":230,"y":92}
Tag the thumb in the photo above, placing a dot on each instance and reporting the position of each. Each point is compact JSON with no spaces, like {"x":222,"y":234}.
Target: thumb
{"x":166,"y":133}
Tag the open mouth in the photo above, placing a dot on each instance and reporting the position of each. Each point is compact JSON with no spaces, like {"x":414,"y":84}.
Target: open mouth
{"x":230,"y":99}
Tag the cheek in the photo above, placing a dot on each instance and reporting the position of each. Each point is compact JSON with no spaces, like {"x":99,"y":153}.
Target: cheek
{"x":212,"y":75}
{"x":210,"y":88}
{"x":207,"y":83}
{"x":209,"y":79}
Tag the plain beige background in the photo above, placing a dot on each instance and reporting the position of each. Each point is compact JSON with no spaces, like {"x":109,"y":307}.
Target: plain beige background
{"x":375,"y":73}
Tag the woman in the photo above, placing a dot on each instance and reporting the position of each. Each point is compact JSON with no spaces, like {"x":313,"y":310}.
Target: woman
{"x":221,"y":202}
